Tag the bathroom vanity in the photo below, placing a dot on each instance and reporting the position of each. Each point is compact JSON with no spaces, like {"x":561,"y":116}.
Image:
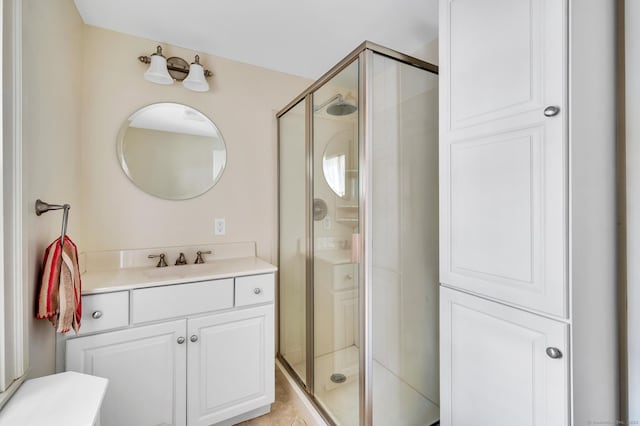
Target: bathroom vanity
{"x":180,"y":345}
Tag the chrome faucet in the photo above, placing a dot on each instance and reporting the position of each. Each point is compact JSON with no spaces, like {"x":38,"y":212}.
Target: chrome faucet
{"x":162,"y":262}
{"x":199,"y":258}
{"x":181,"y":260}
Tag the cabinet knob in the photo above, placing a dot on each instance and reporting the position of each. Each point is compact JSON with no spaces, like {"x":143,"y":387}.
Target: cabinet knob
{"x":551,"y":111}
{"x":193,"y":338}
{"x":96,"y":314}
{"x":349,"y":276}
{"x":554,"y":353}
{"x":257,"y":290}
{"x":180,"y":340}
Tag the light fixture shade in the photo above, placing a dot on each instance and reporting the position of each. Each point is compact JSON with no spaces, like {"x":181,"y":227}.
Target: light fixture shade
{"x":195,"y":80}
{"x":157,"y":72}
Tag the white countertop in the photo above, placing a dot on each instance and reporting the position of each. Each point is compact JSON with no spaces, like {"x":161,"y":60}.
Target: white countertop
{"x":65,"y":399}
{"x":139,"y":277}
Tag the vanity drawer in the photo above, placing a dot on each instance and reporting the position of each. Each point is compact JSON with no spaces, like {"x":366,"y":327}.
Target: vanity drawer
{"x":345,"y":276}
{"x":104,"y":311}
{"x":150,"y":304}
{"x":254,"y":289}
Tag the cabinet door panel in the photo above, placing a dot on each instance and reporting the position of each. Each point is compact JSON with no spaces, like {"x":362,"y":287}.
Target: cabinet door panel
{"x":494,"y":367}
{"x":146,"y":368}
{"x":231,"y":365}
{"x":503,"y":219}
{"x":500,"y":58}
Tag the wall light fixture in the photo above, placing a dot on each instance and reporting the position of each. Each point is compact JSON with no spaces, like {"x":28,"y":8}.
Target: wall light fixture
{"x":166,"y":71}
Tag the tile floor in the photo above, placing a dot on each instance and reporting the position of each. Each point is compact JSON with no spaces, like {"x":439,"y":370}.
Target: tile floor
{"x":283,"y":410}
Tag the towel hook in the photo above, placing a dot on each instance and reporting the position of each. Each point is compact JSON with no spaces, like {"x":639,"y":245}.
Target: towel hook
{"x":42,"y":207}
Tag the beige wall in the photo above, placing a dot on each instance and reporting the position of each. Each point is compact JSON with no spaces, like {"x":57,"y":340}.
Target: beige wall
{"x":428,"y":52}
{"x":52,"y":52}
{"x":242,"y":103}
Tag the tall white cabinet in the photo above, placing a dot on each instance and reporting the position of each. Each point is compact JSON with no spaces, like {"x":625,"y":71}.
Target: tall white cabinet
{"x":527,"y":212}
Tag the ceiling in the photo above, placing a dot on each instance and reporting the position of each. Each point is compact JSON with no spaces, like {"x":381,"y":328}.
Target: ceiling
{"x":300,"y":37}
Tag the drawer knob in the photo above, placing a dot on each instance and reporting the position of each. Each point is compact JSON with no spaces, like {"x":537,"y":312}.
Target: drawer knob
{"x":551,"y":111}
{"x":349,"y":277}
{"x":96,"y":314}
{"x":193,"y":338}
{"x":554,"y":353}
{"x":181,"y":340}
{"x":257,"y":290}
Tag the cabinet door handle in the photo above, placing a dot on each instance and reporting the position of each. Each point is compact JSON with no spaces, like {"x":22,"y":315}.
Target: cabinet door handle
{"x":349,"y":276}
{"x":193,"y":338}
{"x":551,"y":111}
{"x":96,"y":314}
{"x":554,"y":353}
{"x":181,"y":340}
{"x":257,"y":290}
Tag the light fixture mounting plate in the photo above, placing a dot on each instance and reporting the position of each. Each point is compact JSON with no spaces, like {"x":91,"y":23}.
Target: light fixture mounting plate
{"x":178,"y":68}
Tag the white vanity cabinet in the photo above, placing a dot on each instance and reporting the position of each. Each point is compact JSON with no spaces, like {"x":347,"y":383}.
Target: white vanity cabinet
{"x":146,"y":368}
{"x":189,"y":355}
{"x":527,"y":166}
{"x":230,"y":364}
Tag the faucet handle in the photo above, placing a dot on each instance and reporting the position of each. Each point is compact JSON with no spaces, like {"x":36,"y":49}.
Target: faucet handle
{"x":199,"y":258}
{"x":181,"y":260}
{"x":162,"y":262}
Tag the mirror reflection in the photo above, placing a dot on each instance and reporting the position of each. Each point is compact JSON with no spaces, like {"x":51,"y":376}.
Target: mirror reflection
{"x":171,"y":151}
{"x":338,"y":164}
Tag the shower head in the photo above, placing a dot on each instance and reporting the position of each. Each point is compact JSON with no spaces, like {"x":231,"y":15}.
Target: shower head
{"x":341,"y":107}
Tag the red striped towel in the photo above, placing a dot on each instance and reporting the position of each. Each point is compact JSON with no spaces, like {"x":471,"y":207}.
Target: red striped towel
{"x":60,"y":288}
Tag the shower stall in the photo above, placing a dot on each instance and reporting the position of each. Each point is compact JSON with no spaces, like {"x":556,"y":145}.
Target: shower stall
{"x":358,"y":240}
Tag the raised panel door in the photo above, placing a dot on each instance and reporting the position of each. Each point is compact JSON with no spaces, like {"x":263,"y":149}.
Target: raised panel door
{"x":494,"y":367}
{"x":230,"y":364}
{"x":146,"y":369}
{"x":500,"y":59}
{"x":503,"y":220}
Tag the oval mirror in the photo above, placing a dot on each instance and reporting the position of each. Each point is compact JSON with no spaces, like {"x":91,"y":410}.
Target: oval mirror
{"x":339,"y":164}
{"x":171,"y":151}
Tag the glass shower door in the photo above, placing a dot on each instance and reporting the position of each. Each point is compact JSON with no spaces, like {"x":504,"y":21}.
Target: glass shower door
{"x":403,"y":112}
{"x":293,"y":253}
{"x":335,"y":227}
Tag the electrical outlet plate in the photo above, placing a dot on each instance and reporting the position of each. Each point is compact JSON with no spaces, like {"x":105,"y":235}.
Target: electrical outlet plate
{"x":219,"y":227}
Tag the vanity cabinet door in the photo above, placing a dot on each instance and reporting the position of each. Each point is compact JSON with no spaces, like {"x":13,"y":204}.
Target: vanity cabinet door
{"x":230,"y":364}
{"x":494,"y":366}
{"x":146,"y":369}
